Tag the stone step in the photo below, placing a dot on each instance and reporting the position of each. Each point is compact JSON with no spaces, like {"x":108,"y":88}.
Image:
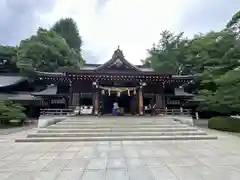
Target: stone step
{"x":120,"y":120}
{"x":117,"y":138}
{"x":116,"y":134}
{"x":126,"y":129}
{"x":117,"y":123}
{"x":99,"y":126}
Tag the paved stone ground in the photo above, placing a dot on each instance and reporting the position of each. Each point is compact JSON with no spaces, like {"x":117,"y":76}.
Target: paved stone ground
{"x":10,"y":130}
{"x":201,"y":122}
{"x":125,"y":160}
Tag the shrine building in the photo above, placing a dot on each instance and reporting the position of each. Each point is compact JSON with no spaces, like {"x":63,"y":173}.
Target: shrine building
{"x":100,"y":85}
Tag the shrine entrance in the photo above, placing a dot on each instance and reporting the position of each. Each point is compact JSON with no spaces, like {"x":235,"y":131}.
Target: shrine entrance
{"x":126,"y":99}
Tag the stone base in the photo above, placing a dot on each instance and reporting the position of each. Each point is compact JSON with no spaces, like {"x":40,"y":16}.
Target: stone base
{"x":184,"y":120}
{"x":46,"y":121}
{"x":116,"y":129}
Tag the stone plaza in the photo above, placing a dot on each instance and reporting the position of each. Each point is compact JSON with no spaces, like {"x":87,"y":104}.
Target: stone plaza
{"x":121,"y":160}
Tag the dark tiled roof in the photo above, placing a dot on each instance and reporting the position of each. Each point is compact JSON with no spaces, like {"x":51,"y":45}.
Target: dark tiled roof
{"x":94,"y":66}
{"x":23,"y":97}
{"x":52,"y":74}
{"x":196,"y":99}
{"x":181,"y":92}
{"x":49,"y":91}
{"x":6,"y":81}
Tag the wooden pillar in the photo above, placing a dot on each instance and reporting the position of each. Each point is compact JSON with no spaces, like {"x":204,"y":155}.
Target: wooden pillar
{"x":66,"y":102}
{"x":140,"y":101}
{"x":49,"y":102}
{"x":70,"y":93}
{"x":96,"y":103}
{"x":95,"y":98}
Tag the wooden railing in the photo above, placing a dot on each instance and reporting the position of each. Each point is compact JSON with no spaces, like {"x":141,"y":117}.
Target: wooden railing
{"x":178,"y":112}
{"x":173,"y":112}
{"x":56,"y":112}
{"x":64,"y":112}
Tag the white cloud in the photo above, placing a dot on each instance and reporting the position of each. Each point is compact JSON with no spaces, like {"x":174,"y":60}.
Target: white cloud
{"x":135,"y":24}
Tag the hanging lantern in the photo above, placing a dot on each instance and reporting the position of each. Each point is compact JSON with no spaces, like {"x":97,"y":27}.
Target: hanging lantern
{"x":109,"y":92}
{"x":128,"y":92}
{"x":103,"y":92}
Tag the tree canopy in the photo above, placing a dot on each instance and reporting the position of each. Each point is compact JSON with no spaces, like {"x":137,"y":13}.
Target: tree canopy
{"x":46,"y":51}
{"x":67,"y":28}
{"x":213,"y":57}
{"x":8,"y":59}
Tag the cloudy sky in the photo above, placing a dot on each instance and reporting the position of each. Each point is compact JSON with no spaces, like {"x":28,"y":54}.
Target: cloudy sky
{"x":105,"y":24}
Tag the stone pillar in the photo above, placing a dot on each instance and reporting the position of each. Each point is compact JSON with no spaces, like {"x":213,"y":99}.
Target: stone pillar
{"x":140,"y":101}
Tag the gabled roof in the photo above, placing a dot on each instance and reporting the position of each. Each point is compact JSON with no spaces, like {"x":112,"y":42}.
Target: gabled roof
{"x":92,"y":67}
{"x":117,"y":62}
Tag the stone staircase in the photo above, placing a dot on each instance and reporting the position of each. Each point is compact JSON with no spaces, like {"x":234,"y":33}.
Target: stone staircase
{"x":116,"y":129}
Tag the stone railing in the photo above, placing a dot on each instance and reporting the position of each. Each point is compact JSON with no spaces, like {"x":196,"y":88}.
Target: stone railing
{"x":173,"y":112}
{"x":184,"y":120}
{"x":184,"y":112}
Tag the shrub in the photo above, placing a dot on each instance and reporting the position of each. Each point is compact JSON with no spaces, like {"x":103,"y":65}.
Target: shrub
{"x":10,"y":112}
{"x":224,"y":124}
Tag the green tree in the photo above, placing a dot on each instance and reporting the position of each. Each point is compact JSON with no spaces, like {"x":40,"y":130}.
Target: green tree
{"x":211,"y":57}
{"x":46,"y":51}
{"x":8,"y":59}
{"x":226,"y":99}
{"x":67,"y":28}
{"x":234,"y":24}
{"x":169,"y":54}
{"x":11,"y":111}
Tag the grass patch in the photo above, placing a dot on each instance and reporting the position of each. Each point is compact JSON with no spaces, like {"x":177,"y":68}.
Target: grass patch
{"x":224,"y":124}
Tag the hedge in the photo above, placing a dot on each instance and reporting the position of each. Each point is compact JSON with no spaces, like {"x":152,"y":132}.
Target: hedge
{"x":224,"y":124}
{"x":11,"y":113}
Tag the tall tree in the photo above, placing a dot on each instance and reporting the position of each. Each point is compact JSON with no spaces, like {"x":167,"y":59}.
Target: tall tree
{"x":212,"y":57}
{"x":67,"y":28}
{"x":8,"y":59}
{"x":46,"y":51}
{"x":234,"y":24}
{"x":169,"y":54}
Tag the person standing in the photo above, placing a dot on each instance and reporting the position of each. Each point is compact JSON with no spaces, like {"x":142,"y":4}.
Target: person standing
{"x":115,"y":108}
